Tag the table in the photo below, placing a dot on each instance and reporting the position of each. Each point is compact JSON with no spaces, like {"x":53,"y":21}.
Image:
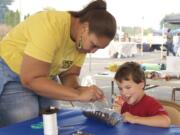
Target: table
{"x":159,"y":82}
{"x":124,"y":49}
{"x":110,"y":76}
{"x":72,"y":116}
{"x":107,"y":76}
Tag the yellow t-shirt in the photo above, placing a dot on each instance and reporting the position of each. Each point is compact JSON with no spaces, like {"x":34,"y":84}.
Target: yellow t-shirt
{"x":44,"y":36}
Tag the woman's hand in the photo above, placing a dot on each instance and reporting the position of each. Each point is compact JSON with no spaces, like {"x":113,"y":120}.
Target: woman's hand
{"x":91,"y":93}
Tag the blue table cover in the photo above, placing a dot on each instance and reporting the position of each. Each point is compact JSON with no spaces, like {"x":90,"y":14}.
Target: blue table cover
{"x":70,"y":121}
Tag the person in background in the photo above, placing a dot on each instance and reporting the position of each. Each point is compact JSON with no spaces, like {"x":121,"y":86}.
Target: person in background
{"x":177,"y":45}
{"x":169,"y":43}
{"x":126,"y":38}
{"x":137,"y":107}
{"x":45,"y":45}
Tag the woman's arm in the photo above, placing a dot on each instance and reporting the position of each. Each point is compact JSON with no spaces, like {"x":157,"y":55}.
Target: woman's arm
{"x":155,"y":121}
{"x":34,"y":75}
{"x":71,"y":77}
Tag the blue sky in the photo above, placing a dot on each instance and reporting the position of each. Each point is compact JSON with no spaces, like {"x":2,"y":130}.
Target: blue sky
{"x":146,"y":13}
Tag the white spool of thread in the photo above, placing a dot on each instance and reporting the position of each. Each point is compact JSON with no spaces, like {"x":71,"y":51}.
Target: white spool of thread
{"x":50,"y":121}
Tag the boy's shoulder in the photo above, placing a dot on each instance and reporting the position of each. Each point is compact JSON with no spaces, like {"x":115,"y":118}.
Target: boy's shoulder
{"x":150,"y":100}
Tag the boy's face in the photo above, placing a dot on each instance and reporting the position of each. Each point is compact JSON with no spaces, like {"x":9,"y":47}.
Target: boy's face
{"x":130,"y":91}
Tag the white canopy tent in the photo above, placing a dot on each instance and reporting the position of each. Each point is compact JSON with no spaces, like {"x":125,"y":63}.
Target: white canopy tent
{"x":173,"y":19}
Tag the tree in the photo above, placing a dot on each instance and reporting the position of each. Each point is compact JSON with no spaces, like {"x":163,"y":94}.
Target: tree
{"x":4,"y":8}
{"x":132,"y":31}
{"x":49,"y":9}
{"x":147,"y":31}
{"x":12,"y":18}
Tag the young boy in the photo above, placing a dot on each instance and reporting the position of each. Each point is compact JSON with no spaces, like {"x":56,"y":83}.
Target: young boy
{"x":138,"y":108}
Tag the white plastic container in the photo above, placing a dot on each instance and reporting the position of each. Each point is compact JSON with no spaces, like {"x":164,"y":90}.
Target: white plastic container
{"x":50,"y":121}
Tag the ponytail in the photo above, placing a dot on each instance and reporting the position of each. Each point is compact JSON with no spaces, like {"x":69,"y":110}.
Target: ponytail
{"x":95,"y":5}
{"x":101,"y":22}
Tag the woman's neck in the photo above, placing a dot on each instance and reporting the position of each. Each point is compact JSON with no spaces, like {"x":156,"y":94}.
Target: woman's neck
{"x":74,"y":28}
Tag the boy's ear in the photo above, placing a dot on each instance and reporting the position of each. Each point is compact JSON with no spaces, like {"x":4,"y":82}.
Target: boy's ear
{"x":142,"y":84}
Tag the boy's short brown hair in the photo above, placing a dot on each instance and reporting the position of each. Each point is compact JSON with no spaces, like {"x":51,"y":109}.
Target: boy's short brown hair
{"x":130,"y":70}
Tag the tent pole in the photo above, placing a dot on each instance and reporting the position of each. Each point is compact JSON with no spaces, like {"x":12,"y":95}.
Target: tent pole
{"x":162,"y":43}
{"x":142,"y":35}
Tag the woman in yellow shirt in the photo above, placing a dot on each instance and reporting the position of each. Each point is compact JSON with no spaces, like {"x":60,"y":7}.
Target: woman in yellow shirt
{"x":47,"y":44}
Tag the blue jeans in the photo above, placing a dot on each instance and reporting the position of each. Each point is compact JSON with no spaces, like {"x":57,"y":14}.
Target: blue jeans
{"x":18,"y":103}
{"x":170,"y":49}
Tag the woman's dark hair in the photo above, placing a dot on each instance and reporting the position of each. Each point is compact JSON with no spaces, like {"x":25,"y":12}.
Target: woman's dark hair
{"x":101,"y":22}
{"x":130,"y":70}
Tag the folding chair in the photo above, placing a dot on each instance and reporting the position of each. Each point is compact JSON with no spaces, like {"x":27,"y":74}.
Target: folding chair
{"x":173,"y":63}
{"x":173,"y":97}
{"x":173,"y":109}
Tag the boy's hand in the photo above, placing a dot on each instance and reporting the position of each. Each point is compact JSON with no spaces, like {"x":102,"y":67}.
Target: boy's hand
{"x":117,"y":104}
{"x":116,"y":107}
{"x":128,"y":117}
